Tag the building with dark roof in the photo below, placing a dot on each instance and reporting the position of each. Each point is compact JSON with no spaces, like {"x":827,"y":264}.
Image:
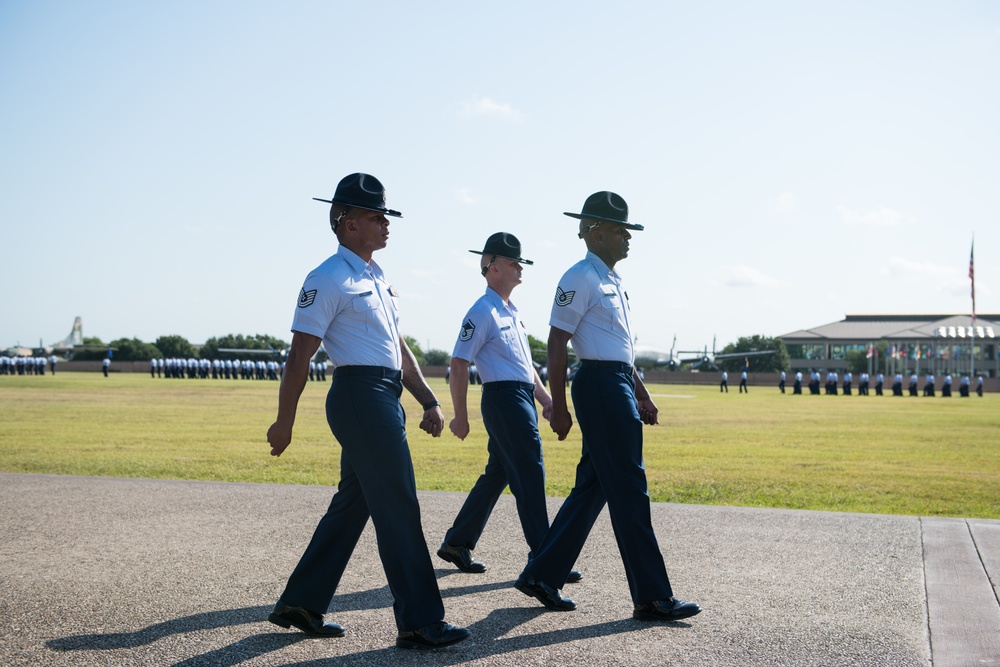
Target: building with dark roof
{"x":901,"y":343}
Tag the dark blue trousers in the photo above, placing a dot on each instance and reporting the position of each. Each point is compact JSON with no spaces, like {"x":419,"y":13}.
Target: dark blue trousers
{"x":611,"y":471}
{"x":376,"y":480}
{"x":515,"y":450}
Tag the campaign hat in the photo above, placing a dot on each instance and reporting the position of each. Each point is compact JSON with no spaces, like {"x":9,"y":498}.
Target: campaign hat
{"x":606,"y":207}
{"x":503,"y":244}
{"x":361,"y":191}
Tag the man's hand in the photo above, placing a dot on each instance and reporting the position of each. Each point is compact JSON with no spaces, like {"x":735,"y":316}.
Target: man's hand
{"x":459,"y":428}
{"x":561,"y":423}
{"x":279,"y":437}
{"x":433,"y":421}
{"x":648,"y":411}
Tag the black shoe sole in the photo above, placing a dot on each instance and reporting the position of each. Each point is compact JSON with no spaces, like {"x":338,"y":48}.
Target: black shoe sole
{"x":423,"y":646}
{"x":282,"y":622}
{"x":650,"y":616}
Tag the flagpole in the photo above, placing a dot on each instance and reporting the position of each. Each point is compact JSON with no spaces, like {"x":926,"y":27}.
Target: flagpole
{"x":972,"y":277}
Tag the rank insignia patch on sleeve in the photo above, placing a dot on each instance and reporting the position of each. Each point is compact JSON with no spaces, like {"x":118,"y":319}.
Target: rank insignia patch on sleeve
{"x":564,"y":298}
{"x":468,"y":328}
{"x":306,"y":298}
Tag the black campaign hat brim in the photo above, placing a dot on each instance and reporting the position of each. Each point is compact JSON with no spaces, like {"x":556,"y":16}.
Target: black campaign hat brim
{"x":385,"y":211}
{"x":626,"y":225}
{"x":522,"y":260}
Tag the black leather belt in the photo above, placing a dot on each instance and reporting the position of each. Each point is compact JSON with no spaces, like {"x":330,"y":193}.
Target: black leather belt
{"x":618,"y":366}
{"x":508,"y":384}
{"x":376,"y":371}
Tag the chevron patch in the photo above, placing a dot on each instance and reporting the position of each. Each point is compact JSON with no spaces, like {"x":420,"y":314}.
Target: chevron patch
{"x":306,"y":298}
{"x":564,"y":298}
{"x":468,"y":328}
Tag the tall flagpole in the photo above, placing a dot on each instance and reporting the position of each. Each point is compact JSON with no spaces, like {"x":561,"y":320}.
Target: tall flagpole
{"x":972,"y":277}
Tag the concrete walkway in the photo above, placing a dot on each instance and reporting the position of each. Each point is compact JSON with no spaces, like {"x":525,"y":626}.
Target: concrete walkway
{"x":101,"y":571}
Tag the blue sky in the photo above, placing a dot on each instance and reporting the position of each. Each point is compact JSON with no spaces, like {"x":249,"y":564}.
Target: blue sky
{"x":791,"y":161}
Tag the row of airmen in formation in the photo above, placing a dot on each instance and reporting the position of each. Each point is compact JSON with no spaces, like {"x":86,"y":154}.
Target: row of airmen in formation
{"x":227,"y":369}
{"x":26,"y":365}
{"x":864,"y":380}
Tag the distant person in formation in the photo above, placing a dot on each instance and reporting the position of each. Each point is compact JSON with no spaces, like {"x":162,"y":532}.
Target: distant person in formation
{"x":349,"y":306}
{"x":879,"y":383}
{"x":52,"y":364}
{"x":724,"y":385}
{"x":848,"y":382}
{"x":591,"y":309}
{"x":897,"y":384}
{"x":494,"y":337}
{"x":913,"y":388}
{"x":979,"y":385}
{"x":797,"y":387}
{"x":963,"y":386}
{"x":743,"y":382}
{"x":106,"y":365}
{"x":781,"y":382}
{"x":929,"y":385}
{"x":946,"y":387}
{"x":814,"y":382}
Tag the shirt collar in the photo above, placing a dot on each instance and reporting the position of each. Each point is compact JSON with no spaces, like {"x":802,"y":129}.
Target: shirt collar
{"x":359,"y":265}
{"x":599,"y":265}
{"x":498,"y":301}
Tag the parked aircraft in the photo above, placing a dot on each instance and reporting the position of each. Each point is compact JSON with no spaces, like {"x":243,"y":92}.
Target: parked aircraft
{"x":708,"y":359}
{"x":657,"y":356}
{"x":68,"y":346}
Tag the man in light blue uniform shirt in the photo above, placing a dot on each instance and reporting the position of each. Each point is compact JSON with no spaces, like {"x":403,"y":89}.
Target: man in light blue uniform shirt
{"x":493,"y":336}
{"x":591,"y":308}
{"x":347,"y":304}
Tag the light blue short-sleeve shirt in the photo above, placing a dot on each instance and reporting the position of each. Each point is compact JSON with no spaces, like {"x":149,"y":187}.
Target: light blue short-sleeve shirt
{"x":494,"y":338}
{"x":353,"y":308}
{"x":592,"y":305}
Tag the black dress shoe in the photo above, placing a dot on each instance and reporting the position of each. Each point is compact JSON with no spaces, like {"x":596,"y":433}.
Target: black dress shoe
{"x":548,"y":596}
{"x":435,"y":635}
{"x":307,"y":621}
{"x":574,"y":577}
{"x":461,"y":557}
{"x":670,"y":609}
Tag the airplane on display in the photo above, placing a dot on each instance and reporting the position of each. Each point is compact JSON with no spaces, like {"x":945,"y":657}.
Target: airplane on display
{"x":708,"y":359}
{"x":67,"y":347}
{"x":657,"y":356}
{"x":277,"y":355}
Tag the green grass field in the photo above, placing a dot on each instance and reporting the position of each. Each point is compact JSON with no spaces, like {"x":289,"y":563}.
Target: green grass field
{"x":917,"y":456}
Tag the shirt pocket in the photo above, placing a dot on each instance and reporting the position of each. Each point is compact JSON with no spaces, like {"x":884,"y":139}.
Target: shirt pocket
{"x":365,"y":302}
{"x":611,"y":309}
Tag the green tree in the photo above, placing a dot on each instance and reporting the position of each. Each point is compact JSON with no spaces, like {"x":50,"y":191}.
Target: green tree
{"x":857,"y":361}
{"x":539,"y":350}
{"x":437,"y":358}
{"x":133,"y":349}
{"x":414,"y":346}
{"x":176,"y":347}
{"x":764,"y":363}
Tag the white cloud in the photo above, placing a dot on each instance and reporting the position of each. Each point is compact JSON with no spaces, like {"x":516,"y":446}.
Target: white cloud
{"x":485,"y":106}
{"x":741,"y":275}
{"x":465,"y":196}
{"x":786,"y":202}
{"x":900,"y":267}
{"x":877,"y":217}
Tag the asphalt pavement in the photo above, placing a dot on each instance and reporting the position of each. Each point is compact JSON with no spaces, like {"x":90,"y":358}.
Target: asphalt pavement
{"x":105,"y":571}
